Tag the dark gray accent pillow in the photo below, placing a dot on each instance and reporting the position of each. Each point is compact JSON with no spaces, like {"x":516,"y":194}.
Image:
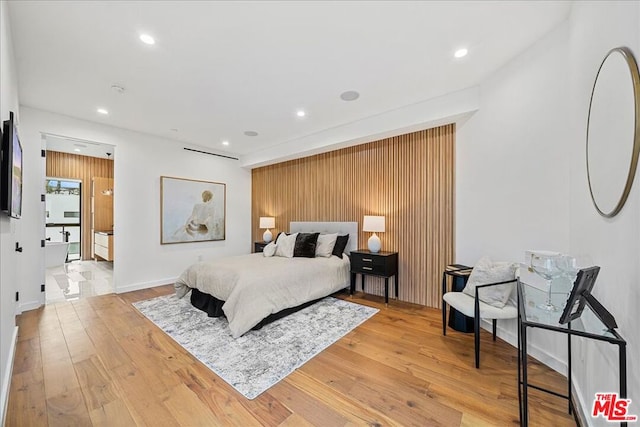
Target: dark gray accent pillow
{"x":305,"y":245}
{"x":341,"y":243}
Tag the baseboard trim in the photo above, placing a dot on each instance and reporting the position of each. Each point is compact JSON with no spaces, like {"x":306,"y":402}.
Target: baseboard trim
{"x":27,"y":306}
{"x":145,"y":285}
{"x":579,"y":405}
{"x":6,"y":384}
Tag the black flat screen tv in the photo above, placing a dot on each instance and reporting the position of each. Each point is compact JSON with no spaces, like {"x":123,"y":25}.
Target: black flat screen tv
{"x":11,"y":170}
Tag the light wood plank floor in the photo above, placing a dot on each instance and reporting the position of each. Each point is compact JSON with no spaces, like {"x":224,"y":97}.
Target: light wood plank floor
{"x":98,"y":361}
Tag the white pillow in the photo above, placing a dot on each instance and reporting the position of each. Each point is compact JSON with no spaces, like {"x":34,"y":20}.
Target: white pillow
{"x":325,"y":244}
{"x":269,"y":250}
{"x":484,"y":272}
{"x":285,"y":245}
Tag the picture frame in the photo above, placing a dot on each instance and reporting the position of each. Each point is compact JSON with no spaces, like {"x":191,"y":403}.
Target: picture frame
{"x":584,"y":282}
{"x":581,"y":296}
{"x":191,"y":210}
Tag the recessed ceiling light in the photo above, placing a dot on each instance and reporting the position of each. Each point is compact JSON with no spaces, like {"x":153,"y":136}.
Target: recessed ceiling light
{"x":147,"y":39}
{"x":225,"y":142}
{"x":350,"y":95}
{"x":102,"y":111}
{"x":251,"y":133}
{"x":300,"y":113}
{"x":460,"y":53}
{"x":77,"y":150}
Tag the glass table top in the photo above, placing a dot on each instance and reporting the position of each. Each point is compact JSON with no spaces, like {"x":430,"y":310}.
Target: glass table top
{"x":535,"y":296}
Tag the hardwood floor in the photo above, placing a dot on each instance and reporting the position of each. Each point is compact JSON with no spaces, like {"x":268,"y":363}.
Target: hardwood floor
{"x":98,"y":361}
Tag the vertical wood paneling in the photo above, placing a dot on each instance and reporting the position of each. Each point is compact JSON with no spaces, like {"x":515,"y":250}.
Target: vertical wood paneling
{"x":83,"y":168}
{"x":409,"y":179}
{"x":102,"y":204}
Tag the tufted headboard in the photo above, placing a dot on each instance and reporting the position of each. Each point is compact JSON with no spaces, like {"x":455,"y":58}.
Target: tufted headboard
{"x":350,"y":228}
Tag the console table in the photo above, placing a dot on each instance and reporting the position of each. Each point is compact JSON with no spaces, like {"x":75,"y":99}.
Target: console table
{"x":587,"y":325}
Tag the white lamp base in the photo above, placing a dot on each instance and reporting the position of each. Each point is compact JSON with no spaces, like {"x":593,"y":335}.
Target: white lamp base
{"x":374,"y":243}
{"x":267,"y":236}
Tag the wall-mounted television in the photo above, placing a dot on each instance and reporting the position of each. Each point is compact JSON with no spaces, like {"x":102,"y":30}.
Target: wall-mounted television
{"x":11,"y":170}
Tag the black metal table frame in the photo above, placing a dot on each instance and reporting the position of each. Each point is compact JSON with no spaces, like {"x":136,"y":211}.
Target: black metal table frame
{"x":523,"y":384}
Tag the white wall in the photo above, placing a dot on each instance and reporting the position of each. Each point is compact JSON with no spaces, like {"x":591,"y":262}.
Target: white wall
{"x":140,"y":260}
{"x":511,"y":165}
{"x":613,"y":244}
{"x":521,"y":183}
{"x":9,"y":228}
{"x":512,"y":170}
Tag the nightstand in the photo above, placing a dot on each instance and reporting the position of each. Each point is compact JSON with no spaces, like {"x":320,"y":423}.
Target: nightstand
{"x":381,"y":264}
{"x":259,"y":246}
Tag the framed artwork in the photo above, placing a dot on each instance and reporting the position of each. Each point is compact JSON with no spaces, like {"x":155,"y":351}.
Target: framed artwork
{"x":191,"y":210}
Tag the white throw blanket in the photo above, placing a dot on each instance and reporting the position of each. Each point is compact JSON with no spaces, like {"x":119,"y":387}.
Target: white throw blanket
{"x":254,"y":286}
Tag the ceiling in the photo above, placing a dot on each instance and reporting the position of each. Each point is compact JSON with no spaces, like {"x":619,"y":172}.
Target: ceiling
{"x":219,"y":69}
{"x":80,"y":147}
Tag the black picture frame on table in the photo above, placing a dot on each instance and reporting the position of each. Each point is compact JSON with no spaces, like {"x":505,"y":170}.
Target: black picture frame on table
{"x":581,"y":295}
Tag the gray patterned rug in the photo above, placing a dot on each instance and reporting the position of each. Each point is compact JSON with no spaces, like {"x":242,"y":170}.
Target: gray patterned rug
{"x":258,"y":359}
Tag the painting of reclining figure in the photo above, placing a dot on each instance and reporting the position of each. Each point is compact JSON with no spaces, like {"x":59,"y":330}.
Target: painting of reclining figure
{"x":191,"y":210}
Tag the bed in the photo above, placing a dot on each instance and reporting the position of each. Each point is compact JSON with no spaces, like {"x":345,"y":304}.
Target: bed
{"x":252,"y":290}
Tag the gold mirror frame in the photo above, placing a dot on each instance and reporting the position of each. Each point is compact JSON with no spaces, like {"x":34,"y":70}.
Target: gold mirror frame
{"x":635,"y":78}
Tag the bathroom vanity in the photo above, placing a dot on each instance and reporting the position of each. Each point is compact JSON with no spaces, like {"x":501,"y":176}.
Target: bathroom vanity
{"x":103,"y":245}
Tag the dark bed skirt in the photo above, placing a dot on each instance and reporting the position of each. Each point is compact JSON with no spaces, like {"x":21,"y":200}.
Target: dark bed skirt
{"x":213,"y":307}
{"x":207,"y":303}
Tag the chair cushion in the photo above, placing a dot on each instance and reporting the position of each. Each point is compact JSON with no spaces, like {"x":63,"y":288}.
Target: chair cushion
{"x":465,"y":304}
{"x":484,"y":272}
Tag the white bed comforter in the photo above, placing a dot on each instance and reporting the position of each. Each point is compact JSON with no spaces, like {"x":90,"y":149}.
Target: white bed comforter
{"x":254,"y":286}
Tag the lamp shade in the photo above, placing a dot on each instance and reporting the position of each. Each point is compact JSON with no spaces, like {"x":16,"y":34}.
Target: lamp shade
{"x":373,"y":223}
{"x":267,"y":222}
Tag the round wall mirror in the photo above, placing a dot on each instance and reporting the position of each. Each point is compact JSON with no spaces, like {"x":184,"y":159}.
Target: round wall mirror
{"x":613,"y":131}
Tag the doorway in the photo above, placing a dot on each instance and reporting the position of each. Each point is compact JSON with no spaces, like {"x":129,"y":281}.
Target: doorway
{"x":74,"y":168}
{"x":63,"y":207}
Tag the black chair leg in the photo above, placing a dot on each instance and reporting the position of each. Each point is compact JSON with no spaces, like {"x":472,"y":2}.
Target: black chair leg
{"x":444,"y":303}
{"x":444,"y":318}
{"x":476,"y":331}
{"x":494,"y":329}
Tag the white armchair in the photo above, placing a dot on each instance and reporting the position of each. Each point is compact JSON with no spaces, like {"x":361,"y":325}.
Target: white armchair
{"x":489,"y":294}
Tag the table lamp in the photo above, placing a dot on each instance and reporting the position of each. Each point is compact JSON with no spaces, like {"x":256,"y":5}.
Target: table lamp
{"x":267,"y":222}
{"x":375,"y":224}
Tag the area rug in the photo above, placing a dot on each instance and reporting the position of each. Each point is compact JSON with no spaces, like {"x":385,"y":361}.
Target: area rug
{"x":259,"y":359}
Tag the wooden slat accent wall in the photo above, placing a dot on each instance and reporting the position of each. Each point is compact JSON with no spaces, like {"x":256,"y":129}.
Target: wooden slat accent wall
{"x":409,"y":179}
{"x":102,"y":204}
{"x":73,"y":166}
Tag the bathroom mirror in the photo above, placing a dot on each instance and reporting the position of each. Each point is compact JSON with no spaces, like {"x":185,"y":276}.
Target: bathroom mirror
{"x":613,"y":131}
